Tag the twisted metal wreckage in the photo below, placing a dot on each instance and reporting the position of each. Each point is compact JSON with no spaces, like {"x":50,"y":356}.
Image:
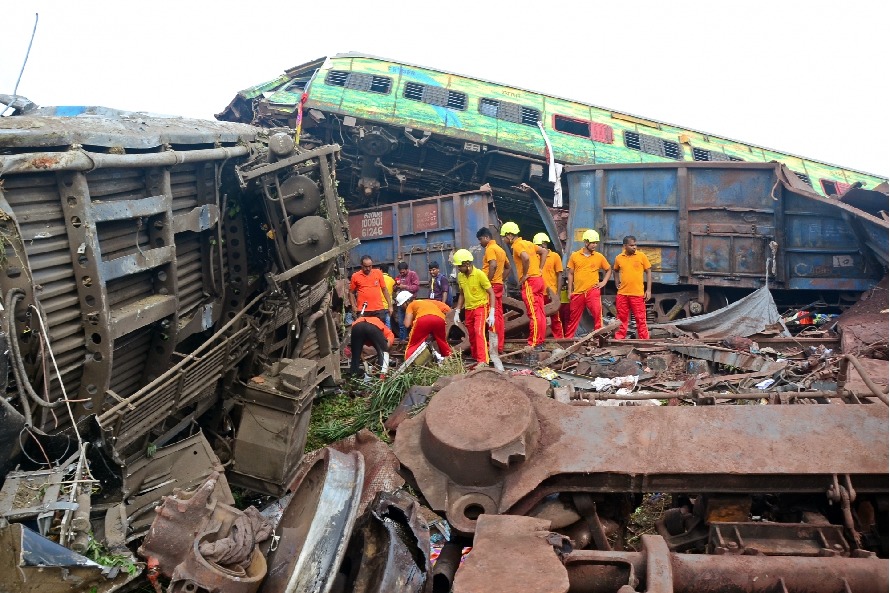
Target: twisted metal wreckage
{"x":168,"y":300}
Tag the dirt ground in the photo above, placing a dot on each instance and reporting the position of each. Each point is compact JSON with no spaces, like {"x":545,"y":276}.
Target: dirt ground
{"x":863,"y":327}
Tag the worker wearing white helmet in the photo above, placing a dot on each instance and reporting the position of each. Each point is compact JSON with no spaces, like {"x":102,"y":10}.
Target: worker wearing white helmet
{"x":551,"y":272}
{"x":528,"y":258}
{"x":476,"y":296}
{"x":424,"y":318}
{"x":584,"y":282}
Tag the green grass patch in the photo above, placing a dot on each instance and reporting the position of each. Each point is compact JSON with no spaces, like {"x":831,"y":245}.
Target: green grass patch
{"x":367,"y":404}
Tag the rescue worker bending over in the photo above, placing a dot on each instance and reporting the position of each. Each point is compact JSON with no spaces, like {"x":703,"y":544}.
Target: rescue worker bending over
{"x":476,"y":295}
{"x":370,"y":331}
{"x":424,"y":318}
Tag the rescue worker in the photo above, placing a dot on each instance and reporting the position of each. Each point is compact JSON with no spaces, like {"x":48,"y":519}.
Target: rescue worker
{"x":368,"y":294}
{"x":527,"y":257}
{"x":630,"y":265}
{"x":584,"y":282}
{"x":476,"y":296}
{"x":495,"y":265}
{"x":425,"y":318}
{"x":370,"y":331}
{"x":390,"y":286}
{"x":551,"y":272}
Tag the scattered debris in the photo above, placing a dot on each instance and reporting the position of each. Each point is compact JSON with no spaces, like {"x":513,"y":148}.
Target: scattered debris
{"x":172,"y":327}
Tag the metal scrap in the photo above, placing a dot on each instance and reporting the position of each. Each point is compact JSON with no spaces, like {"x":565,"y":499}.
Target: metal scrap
{"x":30,"y":563}
{"x":201,"y":543}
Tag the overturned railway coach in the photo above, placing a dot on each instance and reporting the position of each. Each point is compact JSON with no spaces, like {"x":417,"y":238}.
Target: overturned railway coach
{"x":151,"y":266}
{"x":412,"y":131}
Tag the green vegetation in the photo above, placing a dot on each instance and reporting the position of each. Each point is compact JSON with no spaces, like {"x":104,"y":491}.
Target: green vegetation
{"x":367,"y":404}
{"x":642,"y":520}
{"x":97,"y":552}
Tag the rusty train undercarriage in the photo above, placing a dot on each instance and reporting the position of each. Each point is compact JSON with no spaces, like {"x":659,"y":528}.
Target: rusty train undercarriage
{"x":170,"y":314}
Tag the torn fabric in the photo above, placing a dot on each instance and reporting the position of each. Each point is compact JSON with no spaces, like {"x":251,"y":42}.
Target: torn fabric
{"x":745,"y":317}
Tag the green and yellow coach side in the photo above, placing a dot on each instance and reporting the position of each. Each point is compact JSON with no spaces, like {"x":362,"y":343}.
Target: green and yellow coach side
{"x":578,"y":132}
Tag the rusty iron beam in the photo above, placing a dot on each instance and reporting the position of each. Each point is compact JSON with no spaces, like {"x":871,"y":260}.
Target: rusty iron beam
{"x":660,"y":571}
{"x":543,"y":446}
{"x":82,"y":160}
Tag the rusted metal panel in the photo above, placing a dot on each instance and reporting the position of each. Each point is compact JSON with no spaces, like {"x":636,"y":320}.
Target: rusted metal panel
{"x":311,"y":548}
{"x":711,"y":223}
{"x":542,"y":447}
{"x":537,"y":568}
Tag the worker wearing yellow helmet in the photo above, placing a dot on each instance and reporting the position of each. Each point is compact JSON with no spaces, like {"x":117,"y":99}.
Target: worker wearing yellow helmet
{"x":528,"y":258}
{"x":584,"y":282}
{"x":476,"y":297}
{"x":551,"y":272}
{"x":496,"y":267}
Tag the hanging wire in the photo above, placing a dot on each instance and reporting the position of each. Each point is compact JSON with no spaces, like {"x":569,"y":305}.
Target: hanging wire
{"x":27,"y":53}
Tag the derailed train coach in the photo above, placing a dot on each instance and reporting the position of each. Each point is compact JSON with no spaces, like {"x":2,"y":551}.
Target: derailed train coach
{"x":160,"y":273}
{"x":411,"y":131}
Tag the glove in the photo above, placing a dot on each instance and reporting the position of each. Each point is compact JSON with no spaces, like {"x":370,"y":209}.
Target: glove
{"x":457,"y":316}
{"x":490,"y":319}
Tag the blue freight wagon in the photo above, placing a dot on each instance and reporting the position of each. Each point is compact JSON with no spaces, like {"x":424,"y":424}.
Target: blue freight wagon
{"x":422,"y":231}
{"x":707,"y":229}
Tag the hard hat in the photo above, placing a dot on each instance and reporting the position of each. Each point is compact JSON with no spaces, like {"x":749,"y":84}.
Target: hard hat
{"x":591,"y":235}
{"x":541,"y":238}
{"x":461,"y":256}
{"x":403,"y":297}
{"x":510,"y":227}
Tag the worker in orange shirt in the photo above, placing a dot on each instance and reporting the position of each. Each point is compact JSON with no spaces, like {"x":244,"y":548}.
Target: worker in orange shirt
{"x":424,"y":318}
{"x":370,"y":331}
{"x":551,"y":272}
{"x":495,"y":265}
{"x":584,"y":282}
{"x":630,"y":266}
{"x":476,"y":296}
{"x":368,"y":294}
{"x":528,"y":257}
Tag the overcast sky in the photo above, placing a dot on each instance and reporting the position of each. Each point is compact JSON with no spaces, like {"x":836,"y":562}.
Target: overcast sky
{"x":801,"y":77}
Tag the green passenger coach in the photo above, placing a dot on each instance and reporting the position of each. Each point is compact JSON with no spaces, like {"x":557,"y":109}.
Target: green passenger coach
{"x":406,"y":129}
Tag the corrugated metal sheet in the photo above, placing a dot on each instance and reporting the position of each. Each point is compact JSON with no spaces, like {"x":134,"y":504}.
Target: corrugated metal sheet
{"x":711,"y":224}
{"x":421,"y":231}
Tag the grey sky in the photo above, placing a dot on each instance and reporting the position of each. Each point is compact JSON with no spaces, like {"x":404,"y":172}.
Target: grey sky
{"x":800,"y":77}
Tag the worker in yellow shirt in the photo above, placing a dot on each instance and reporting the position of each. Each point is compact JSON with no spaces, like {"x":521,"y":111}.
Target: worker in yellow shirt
{"x":551,"y":272}
{"x":584,"y":282}
{"x":476,"y":297}
{"x":390,"y":283}
{"x":630,"y":265}
{"x":527,"y":257}
{"x":495,"y":265}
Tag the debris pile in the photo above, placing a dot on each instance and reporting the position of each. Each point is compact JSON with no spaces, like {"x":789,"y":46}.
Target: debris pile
{"x":175,"y":319}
